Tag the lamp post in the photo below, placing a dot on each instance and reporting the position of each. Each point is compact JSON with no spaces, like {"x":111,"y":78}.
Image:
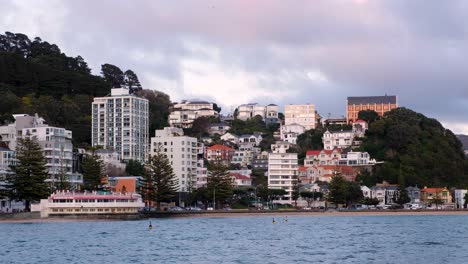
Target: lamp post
{"x":214,"y":198}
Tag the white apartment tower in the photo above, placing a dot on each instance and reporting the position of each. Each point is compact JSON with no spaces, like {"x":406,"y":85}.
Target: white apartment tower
{"x":182,"y":152}
{"x":120,"y":123}
{"x":303,"y":115}
{"x":282,"y":173}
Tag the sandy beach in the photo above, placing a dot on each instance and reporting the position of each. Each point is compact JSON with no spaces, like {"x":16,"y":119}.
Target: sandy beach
{"x":248,"y":214}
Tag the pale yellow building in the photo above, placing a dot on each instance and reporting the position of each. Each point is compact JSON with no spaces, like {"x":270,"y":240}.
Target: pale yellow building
{"x":303,"y":115}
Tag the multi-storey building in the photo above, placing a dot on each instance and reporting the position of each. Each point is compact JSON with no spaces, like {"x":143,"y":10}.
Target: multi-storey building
{"x":303,"y":115}
{"x":184,"y":113}
{"x":379,"y":104}
{"x":245,"y":155}
{"x":219,"y":153}
{"x":282,"y":173}
{"x":337,"y":139}
{"x":120,"y":123}
{"x":54,"y":141}
{"x":260,"y":161}
{"x":7,"y":159}
{"x":182,"y":152}
{"x":268,"y":113}
{"x":430,"y":195}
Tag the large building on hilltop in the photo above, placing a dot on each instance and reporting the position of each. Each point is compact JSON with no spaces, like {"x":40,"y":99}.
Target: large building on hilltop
{"x":268,"y":113}
{"x":120,"y":123}
{"x":184,"y":113}
{"x":303,"y":115}
{"x":379,"y":104}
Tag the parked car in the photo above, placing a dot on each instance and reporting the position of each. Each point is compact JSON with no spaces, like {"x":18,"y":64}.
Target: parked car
{"x":209,"y":208}
{"x":306,"y":208}
{"x":175,"y":208}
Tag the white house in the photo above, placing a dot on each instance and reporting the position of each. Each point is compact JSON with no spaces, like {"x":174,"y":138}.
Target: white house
{"x":290,"y":132}
{"x":218,"y":128}
{"x":268,"y":113}
{"x":460,"y":198}
{"x":337,"y":139}
{"x":233,"y":138}
{"x":304,"y":115}
{"x":184,"y":113}
{"x":250,"y":139}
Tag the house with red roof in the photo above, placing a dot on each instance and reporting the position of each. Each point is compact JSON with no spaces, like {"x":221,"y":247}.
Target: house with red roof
{"x":219,"y":153}
{"x":322,"y":157}
{"x":240,"y":180}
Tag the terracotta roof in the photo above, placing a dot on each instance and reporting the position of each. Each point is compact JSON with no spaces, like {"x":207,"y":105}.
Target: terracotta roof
{"x":302,"y":168}
{"x":433,"y":190}
{"x":360,"y":121}
{"x":239,"y":176}
{"x":220,"y":147}
{"x":317,"y":152}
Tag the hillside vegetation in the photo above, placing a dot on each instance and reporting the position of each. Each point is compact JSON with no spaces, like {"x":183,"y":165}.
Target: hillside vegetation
{"x":37,"y":77}
{"x":416,"y":150}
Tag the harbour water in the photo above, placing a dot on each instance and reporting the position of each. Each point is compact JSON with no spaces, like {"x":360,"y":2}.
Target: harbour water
{"x":302,"y":239}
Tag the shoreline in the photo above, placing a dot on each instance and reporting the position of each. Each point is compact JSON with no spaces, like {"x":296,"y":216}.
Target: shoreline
{"x":220,"y":214}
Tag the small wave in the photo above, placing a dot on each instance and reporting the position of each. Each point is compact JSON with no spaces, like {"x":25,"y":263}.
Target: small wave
{"x":430,"y":243}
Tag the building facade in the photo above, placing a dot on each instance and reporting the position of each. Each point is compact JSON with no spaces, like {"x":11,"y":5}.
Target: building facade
{"x":219,"y":153}
{"x":379,"y":104}
{"x":120,"y":122}
{"x":268,"y":113}
{"x":184,"y":113}
{"x":289,"y":133}
{"x":283,"y":173}
{"x":304,"y":115}
{"x":182,"y":152}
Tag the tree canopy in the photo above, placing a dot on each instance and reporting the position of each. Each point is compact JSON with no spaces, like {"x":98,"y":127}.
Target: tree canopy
{"x":416,"y":150}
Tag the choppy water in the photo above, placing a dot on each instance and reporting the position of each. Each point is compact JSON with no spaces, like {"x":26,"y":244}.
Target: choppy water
{"x":303,"y":239}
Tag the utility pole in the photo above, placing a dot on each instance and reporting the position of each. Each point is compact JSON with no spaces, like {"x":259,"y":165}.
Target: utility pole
{"x":214,"y":198}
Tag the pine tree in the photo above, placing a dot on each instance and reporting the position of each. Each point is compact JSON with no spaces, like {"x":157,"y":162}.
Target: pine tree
{"x":219,"y":183}
{"x":160,"y":182}
{"x":29,"y":174}
{"x":93,"y":171}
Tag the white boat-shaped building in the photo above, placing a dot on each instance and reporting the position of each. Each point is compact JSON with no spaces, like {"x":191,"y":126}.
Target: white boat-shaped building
{"x":88,"y":203}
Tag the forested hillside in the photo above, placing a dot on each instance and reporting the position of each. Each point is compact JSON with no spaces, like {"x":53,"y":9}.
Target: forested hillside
{"x":37,"y":77}
{"x":416,"y":150}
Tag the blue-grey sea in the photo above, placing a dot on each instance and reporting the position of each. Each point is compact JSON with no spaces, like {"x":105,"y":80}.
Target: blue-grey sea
{"x":303,"y":239}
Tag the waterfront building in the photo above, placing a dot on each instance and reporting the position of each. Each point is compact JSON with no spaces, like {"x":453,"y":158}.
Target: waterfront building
{"x":182,"y":153}
{"x":428,"y":195}
{"x":88,"y":203}
{"x":56,"y":143}
{"x":124,"y":184}
{"x":184,"y":113}
{"x":414,"y":193}
{"x":459,"y":195}
{"x":282,"y":173}
{"x":386,"y":193}
{"x":202,"y":174}
{"x":120,"y":123}
{"x":304,"y":115}
{"x":379,"y":104}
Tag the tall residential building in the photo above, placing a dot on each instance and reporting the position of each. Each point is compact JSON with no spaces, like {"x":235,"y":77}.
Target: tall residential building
{"x":120,"y":123}
{"x":182,"y":152}
{"x":282,"y":173}
{"x":184,"y":113}
{"x":303,"y":115}
{"x":56,"y":143}
{"x":379,"y":104}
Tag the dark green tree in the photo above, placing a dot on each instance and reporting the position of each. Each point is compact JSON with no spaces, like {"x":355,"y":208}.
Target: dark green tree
{"x":163,"y":180}
{"x":310,"y":196}
{"x":29,"y":174}
{"x":338,"y":190}
{"x":368,"y":115}
{"x":403,"y":197}
{"x":370,"y":201}
{"x":113,"y":75}
{"x":219,"y":183}
{"x":354,"y":193}
{"x":131,"y":81}
{"x":93,"y":172}
{"x":134,"y":168}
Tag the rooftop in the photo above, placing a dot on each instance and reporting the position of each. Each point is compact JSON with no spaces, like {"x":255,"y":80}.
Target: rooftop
{"x":220,"y":147}
{"x":386,"y":99}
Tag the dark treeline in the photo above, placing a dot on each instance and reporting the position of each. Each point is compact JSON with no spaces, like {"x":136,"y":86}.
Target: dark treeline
{"x":37,"y":77}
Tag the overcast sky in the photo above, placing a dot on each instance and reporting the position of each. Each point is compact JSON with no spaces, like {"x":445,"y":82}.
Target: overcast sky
{"x":282,"y":52}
